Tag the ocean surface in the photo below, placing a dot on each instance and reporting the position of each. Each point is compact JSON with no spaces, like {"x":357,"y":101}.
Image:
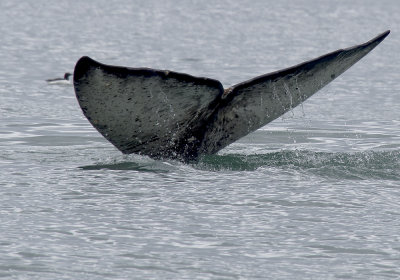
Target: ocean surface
{"x":313,"y":195}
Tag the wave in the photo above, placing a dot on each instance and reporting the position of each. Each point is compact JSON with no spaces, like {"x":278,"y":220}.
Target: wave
{"x":383,"y":165}
{"x":360,"y":165}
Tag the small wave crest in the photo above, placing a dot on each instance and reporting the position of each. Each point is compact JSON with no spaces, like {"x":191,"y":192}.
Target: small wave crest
{"x":360,"y":165}
{"x":383,"y":165}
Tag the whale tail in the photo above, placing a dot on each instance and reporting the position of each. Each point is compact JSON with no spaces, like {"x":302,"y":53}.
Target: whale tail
{"x":165,"y":114}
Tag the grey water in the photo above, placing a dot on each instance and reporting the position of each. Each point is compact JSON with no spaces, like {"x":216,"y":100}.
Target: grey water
{"x":313,"y":195}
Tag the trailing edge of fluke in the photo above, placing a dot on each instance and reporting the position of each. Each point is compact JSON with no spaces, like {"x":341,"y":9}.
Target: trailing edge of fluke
{"x":165,"y":114}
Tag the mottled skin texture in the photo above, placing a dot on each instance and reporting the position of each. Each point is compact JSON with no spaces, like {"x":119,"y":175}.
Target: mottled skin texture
{"x":165,"y":114}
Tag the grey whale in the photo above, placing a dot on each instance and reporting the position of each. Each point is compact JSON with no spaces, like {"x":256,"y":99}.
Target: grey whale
{"x":166,"y":114}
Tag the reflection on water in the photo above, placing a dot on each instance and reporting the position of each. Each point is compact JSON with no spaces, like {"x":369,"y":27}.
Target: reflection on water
{"x":313,"y":195}
{"x":140,"y":166}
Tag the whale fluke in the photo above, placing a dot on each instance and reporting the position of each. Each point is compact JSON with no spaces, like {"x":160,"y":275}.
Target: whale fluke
{"x":166,"y":114}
